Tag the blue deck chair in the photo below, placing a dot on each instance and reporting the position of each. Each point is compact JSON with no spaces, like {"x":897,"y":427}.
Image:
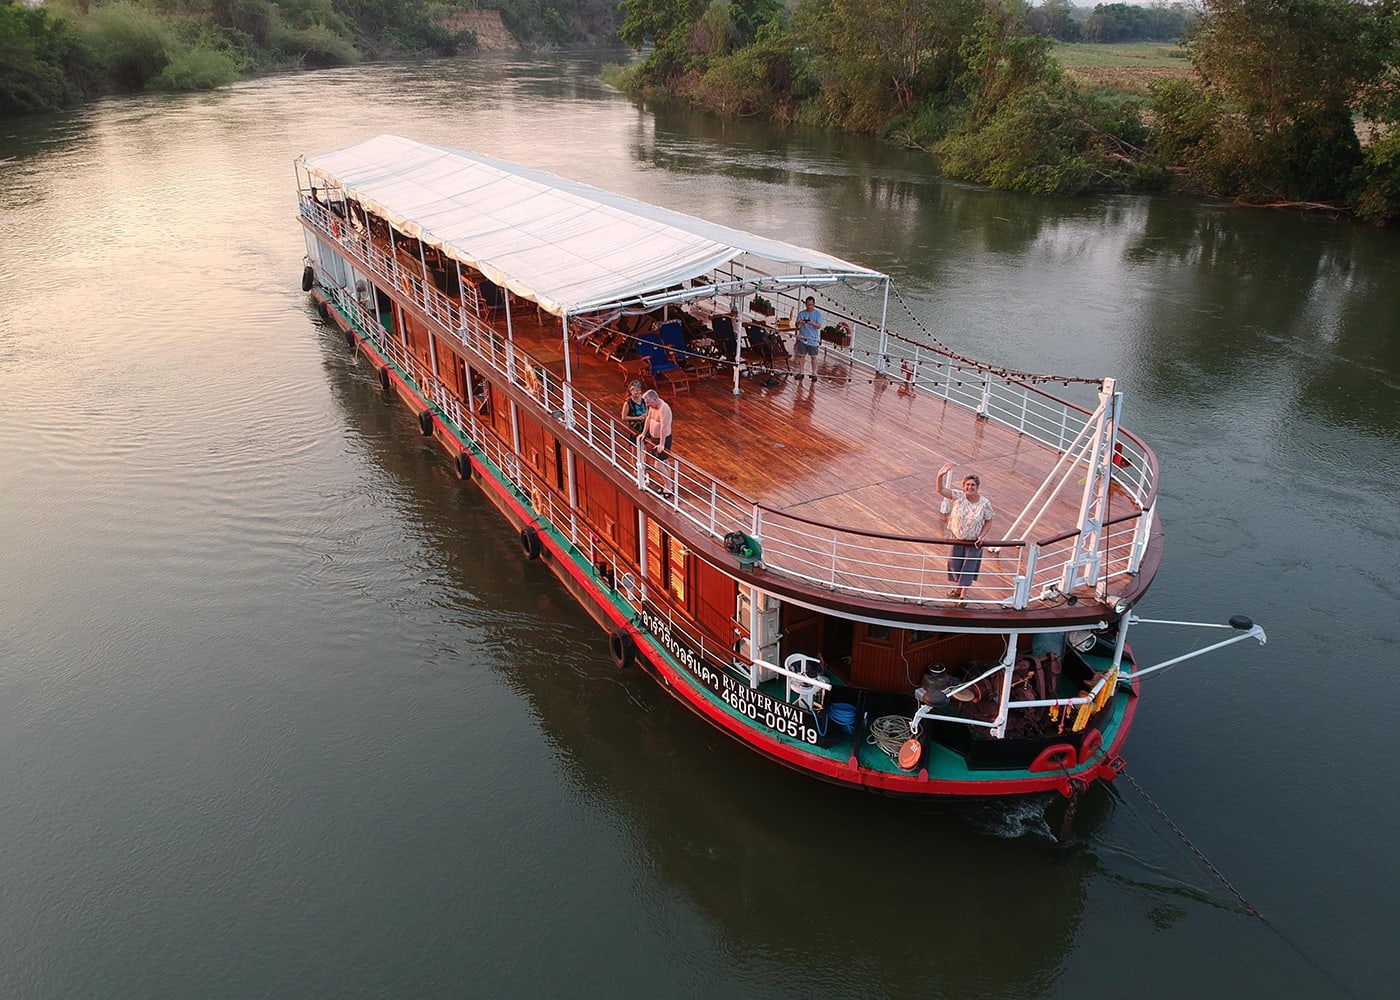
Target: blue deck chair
{"x":726,"y":340}
{"x":491,"y":297}
{"x":662,"y":368}
{"x":673,"y":340}
{"x":763,"y":347}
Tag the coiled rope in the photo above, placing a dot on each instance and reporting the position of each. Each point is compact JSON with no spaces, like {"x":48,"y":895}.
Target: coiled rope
{"x":889,"y":733}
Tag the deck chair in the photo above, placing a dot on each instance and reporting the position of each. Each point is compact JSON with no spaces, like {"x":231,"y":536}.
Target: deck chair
{"x":663,"y":370}
{"x":491,"y":297}
{"x":761,"y":352}
{"x":726,"y":340}
{"x":607,"y":340}
{"x":672,"y":335}
{"x":622,"y":348}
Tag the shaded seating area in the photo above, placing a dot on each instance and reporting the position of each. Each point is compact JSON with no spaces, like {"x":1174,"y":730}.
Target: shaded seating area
{"x":672,"y":335}
{"x":491,"y":298}
{"x":762,"y":351}
{"x":661,"y":366}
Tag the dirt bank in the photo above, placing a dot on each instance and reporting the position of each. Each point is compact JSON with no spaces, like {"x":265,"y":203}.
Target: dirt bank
{"x":491,"y":33}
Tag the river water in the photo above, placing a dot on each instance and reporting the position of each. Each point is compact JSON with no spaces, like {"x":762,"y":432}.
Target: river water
{"x":283,"y":713}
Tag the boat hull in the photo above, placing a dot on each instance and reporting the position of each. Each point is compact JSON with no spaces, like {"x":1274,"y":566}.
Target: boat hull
{"x":703,"y":687}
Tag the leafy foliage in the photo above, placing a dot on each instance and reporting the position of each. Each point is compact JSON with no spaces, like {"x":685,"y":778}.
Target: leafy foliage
{"x":51,"y":58}
{"x":667,"y":24}
{"x":1122,"y":22}
{"x":1378,"y":199}
{"x":773,"y":77}
{"x":1279,"y":58}
{"x":133,"y":42}
{"x":1272,"y":116}
{"x":44,"y":62}
{"x":198,"y":68}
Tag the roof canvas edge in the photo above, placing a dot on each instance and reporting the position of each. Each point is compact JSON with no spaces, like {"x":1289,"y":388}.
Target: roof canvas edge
{"x":561,"y":243}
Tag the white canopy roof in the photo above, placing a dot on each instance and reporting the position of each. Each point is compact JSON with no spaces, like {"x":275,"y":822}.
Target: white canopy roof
{"x":568,"y":246}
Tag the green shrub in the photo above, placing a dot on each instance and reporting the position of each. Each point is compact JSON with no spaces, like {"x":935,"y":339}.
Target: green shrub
{"x":197,"y":69}
{"x":316,"y":46}
{"x":1379,"y":198}
{"x":1030,"y":143}
{"x":45,"y":63}
{"x":133,"y":43}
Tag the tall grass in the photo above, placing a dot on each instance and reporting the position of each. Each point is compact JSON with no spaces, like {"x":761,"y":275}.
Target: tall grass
{"x":198,"y":68}
{"x":133,"y":43}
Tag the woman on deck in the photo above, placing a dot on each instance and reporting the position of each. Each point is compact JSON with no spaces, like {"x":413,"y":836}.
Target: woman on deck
{"x":967,"y":521}
{"x":634,"y":410}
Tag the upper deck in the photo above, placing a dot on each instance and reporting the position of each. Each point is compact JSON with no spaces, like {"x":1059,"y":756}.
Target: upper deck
{"x":836,"y":478}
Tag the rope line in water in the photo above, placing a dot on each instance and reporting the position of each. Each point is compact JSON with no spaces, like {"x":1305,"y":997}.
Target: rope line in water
{"x":1249,"y":907}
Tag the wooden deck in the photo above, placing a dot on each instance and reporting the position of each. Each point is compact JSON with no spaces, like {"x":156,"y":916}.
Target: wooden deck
{"x":852,"y":450}
{"x":849,"y":457}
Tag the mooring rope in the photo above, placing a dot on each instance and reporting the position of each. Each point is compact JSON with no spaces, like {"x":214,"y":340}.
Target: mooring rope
{"x":1249,"y":908}
{"x":889,"y":733}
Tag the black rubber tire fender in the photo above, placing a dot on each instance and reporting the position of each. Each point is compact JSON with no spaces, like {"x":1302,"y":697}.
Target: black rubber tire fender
{"x":623,"y":649}
{"x":462,"y":465}
{"x":384,"y":381}
{"x":425,"y":421}
{"x":308,"y":278}
{"x":530,"y":542}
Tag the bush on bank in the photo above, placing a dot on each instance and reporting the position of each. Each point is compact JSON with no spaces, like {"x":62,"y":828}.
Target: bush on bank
{"x":67,"y":51}
{"x":966,"y":79}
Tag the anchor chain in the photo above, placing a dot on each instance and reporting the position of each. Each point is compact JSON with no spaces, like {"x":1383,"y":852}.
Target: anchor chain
{"x":1248,"y":907}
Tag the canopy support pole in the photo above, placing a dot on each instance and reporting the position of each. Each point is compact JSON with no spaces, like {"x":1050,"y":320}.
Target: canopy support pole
{"x":568,"y":388}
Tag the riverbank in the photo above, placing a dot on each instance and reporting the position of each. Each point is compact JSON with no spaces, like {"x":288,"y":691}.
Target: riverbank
{"x":996,"y":107}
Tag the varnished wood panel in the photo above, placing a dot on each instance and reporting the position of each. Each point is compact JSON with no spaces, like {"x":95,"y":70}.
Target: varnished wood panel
{"x":714,"y":597}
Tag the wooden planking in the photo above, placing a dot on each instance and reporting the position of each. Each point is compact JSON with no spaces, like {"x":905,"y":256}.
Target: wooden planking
{"x":859,"y":452}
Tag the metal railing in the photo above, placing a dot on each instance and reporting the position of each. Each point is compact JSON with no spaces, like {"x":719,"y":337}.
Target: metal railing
{"x":838,"y":558}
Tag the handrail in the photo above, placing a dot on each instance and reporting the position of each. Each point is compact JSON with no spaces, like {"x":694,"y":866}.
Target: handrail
{"x":855,"y":560}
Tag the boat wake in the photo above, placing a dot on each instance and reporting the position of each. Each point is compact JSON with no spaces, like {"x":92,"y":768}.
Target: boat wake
{"x":1012,"y":819}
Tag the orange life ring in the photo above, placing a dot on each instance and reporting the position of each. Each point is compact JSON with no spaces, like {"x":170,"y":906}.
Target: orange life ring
{"x":1056,"y":757}
{"x":335,"y":228}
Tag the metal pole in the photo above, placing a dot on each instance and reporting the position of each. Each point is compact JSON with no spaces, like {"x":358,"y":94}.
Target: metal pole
{"x":568,"y":376}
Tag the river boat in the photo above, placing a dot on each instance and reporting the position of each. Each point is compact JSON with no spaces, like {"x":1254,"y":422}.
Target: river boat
{"x":785,"y":571}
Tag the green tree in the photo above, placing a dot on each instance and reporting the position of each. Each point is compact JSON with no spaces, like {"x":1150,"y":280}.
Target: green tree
{"x":667,"y":24}
{"x":749,"y":16}
{"x":1002,"y":60}
{"x":1291,"y":72}
{"x":1277,"y":59}
{"x":1054,"y":19}
{"x":880,"y":58}
{"x":44,"y":62}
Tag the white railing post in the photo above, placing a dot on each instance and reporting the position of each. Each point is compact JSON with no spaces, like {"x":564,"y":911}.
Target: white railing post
{"x":1141,"y":534}
{"x":1032,"y":566}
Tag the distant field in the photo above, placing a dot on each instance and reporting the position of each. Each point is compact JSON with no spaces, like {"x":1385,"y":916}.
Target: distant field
{"x":1150,"y":54}
{"x":1129,"y":66}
